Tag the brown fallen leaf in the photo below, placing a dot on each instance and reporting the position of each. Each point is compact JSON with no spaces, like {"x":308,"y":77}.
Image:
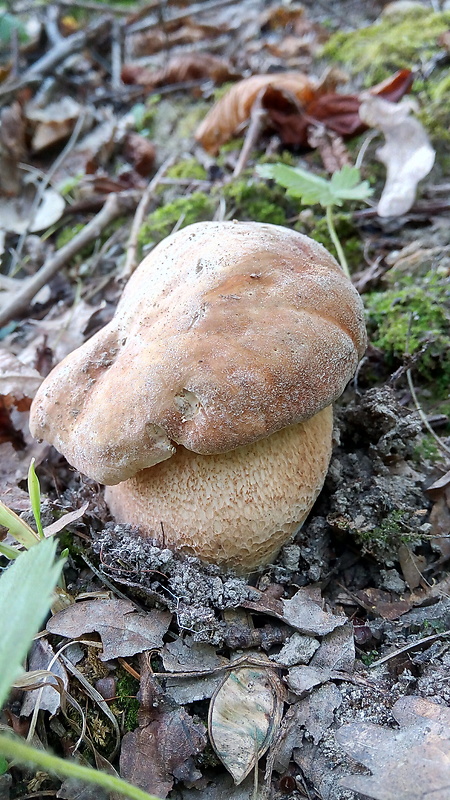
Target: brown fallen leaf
{"x":123,"y":630}
{"x":439,"y":491}
{"x":164,"y":743}
{"x":409,"y":763}
{"x":234,"y":108}
{"x":188,"y":67}
{"x":12,"y":148}
{"x":307,"y":616}
{"x":140,"y":152}
{"x":381,"y":603}
{"x":54,"y":123}
{"x":407,"y":155}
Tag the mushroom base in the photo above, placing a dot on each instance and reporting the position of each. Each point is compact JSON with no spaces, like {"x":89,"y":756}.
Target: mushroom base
{"x":233,"y":509}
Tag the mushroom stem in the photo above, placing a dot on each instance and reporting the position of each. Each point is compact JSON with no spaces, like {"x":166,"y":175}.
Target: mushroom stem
{"x":234,"y":509}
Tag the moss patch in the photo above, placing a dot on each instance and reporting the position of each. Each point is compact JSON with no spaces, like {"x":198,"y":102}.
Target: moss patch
{"x":250,"y":199}
{"x":411,"y":318}
{"x":388,"y":45}
{"x":182,"y":211}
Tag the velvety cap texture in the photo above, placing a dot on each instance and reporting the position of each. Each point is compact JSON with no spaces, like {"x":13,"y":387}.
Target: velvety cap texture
{"x":226,"y":333}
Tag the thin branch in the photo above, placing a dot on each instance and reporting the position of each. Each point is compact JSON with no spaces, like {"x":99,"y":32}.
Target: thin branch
{"x":115,"y":205}
{"x":131,"y":258}
{"x":422,"y":415}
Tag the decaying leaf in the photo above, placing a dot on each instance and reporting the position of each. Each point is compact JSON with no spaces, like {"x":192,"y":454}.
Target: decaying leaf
{"x":315,"y":711}
{"x":123,"y":630}
{"x":21,"y":214}
{"x":12,"y":148}
{"x":407,"y":155}
{"x":40,"y":657}
{"x":306,"y":615}
{"x":161,"y":750}
{"x":233,"y":109}
{"x":54,"y":123}
{"x":244,"y":716}
{"x":186,"y":67}
{"x":439,"y":491}
{"x":409,"y":763}
{"x":184,"y":656}
{"x":17,"y":380}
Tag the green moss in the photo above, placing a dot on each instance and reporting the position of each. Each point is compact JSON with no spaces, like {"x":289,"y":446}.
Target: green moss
{"x":390,"y":44}
{"x":317,"y":228}
{"x":383,"y":541}
{"x":187,"y":169}
{"x":188,"y":209}
{"x":414,"y":317}
{"x":127,"y":703}
{"x":248,"y":198}
{"x":426,"y":450}
{"x":67,"y":234}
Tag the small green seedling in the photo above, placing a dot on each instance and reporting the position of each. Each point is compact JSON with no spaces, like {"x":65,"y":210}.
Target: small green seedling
{"x":346,"y":184}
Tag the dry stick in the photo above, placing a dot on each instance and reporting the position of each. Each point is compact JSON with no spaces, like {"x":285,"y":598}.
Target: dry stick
{"x":257,"y":117}
{"x":130,"y":263}
{"x":422,"y":415}
{"x":115,"y":205}
{"x":191,"y":11}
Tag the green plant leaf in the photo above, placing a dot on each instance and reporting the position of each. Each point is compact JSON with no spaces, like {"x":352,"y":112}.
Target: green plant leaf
{"x":347,"y":184}
{"x":34,"y":490}
{"x":17,"y":527}
{"x":25,"y":598}
{"x":311,"y":189}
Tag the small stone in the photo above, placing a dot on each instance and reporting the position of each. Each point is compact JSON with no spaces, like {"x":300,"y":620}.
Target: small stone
{"x":297,"y":650}
{"x":392,"y":582}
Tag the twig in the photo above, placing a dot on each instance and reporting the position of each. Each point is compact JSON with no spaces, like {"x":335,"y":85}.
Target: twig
{"x":422,"y":415}
{"x":191,"y":11}
{"x":407,"y":647}
{"x":130,"y":262}
{"x":115,"y":205}
{"x":258,"y":115}
{"x":116,"y":55}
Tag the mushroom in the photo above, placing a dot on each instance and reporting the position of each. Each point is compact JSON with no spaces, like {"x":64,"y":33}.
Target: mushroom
{"x":205,"y":404}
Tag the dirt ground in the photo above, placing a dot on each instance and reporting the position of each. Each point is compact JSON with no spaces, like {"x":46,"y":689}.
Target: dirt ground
{"x":339,"y":650}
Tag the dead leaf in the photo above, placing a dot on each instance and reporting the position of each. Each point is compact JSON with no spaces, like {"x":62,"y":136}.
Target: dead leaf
{"x":53,"y":123}
{"x":306,"y":615}
{"x":161,"y":750}
{"x":185,"y":655}
{"x":407,"y":155}
{"x":440,"y":514}
{"x":12,"y":148}
{"x":336,"y":651}
{"x":186,"y":67}
{"x":19,"y":214}
{"x":140,"y":152}
{"x":123,"y":630}
{"x":410,"y":763}
{"x":412,"y":566}
{"x":304,"y":678}
{"x":244,"y":716}
{"x":17,"y":380}
{"x":66,"y":519}
{"x":381,"y":603}
{"x":40,"y":657}
{"x":234,"y":108}
{"x":315,"y":712}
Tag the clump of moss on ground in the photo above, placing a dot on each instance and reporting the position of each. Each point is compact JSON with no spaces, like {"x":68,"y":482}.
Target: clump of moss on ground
{"x":390,"y":44}
{"x":189,"y":169}
{"x":126,"y":703}
{"x":248,"y":198}
{"x":412,"y":318}
{"x":183,"y":211}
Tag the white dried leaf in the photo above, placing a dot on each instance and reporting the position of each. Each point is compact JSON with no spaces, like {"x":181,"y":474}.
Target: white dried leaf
{"x":244,"y":716}
{"x":407,"y":155}
{"x":19,"y":215}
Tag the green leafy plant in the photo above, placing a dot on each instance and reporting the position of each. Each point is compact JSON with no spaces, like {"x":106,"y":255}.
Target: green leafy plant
{"x":312,"y":190}
{"x":26,"y":595}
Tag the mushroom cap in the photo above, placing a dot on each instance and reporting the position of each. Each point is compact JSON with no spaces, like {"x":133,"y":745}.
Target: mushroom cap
{"x":247,"y":502}
{"x":226,"y":333}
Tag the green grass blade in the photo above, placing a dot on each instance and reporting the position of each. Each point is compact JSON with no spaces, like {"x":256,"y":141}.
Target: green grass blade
{"x":26,"y":589}
{"x":34,"y":490}
{"x":19,"y":529}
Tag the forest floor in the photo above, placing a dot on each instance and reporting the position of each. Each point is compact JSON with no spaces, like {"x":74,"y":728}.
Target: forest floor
{"x":325,"y":675}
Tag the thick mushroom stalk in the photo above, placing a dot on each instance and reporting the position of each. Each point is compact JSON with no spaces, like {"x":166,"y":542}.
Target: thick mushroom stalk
{"x":227,"y":334}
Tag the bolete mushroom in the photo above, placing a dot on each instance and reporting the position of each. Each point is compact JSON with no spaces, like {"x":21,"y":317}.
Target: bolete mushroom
{"x":205,"y":404}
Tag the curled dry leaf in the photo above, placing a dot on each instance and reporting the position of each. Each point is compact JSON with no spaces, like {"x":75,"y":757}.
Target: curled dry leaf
{"x":20,"y":215}
{"x":244,"y":716}
{"x":234,"y":108}
{"x":124,"y":631}
{"x":408,"y":763}
{"x":140,"y":152}
{"x":188,"y":67}
{"x":40,"y":658}
{"x":54,"y":123}
{"x":407,"y":155}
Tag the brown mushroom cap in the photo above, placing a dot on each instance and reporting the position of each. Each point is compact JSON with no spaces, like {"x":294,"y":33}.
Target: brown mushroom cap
{"x":226,"y":333}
